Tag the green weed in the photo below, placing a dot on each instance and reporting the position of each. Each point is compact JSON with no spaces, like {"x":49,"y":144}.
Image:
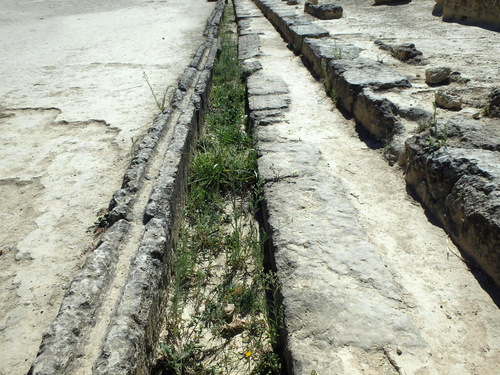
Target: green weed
{"x":438,"y":134}
{"x":160,"y":103}
{"x":219,"y":286}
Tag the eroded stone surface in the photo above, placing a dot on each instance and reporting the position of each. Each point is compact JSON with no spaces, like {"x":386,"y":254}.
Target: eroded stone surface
{"x":349,"y":77}
{"x":482,"y":12}
{"x":448,"y":99}
{"x":459,"y":183}
{"x":266,"y":102}
{"x":437,"y":75}
{"x":248,"y":46}
{"x":324,"y":11}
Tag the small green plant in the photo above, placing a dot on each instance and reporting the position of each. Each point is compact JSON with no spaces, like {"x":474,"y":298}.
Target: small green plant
{"x":486,"y":110}
{"x":330,"y":91}
{"x":159,"y":103}
{"x":388,"y":147}
{"x":337,"y":52}
{"x":333,"y":95}
{"x":437,"y":137}
{"x":134,"y":147}
{"x":100,"y":224}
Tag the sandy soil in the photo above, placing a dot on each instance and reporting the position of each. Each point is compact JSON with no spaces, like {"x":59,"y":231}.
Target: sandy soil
{"x":457,"y":318}
{"x":72,"y":100}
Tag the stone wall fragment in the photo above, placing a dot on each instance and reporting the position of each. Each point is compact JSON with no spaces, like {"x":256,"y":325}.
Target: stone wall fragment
{"x":437,"y":75}
{"x":324,"y":11}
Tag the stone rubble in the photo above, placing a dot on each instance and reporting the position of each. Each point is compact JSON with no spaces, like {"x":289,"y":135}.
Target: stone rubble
{"x":435,"y":76}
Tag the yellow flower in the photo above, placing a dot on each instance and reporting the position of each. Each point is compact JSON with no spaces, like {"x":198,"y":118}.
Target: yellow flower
{"x":248,"y":354}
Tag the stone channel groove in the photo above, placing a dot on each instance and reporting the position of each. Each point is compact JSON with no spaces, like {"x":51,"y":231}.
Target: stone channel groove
{"x":106,"y":323}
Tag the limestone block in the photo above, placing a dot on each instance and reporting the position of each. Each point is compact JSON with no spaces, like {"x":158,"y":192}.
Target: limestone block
{"x":248,"y":46}
{"x":459,"y":184}
{"x":482,"y":12}
{"x":349,"y":77}
{"x":434,"y":76}
{"x":324,"y":11}
{"x":448,"y":99}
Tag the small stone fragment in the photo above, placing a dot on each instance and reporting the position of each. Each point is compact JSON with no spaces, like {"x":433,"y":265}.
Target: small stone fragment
{"x":406,"y":51}
{"x":292,"y":2}
{"x":457,"y":77}
{"x":234,"y":328}
{"x":324,"y":11}
{"x":229,"y":310}
{"x":437,"y":75}
{"x":448,"y":99}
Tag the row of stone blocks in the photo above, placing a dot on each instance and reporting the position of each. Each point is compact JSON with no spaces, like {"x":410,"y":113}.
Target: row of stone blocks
{"x":458,"y":183}
{"x":132,"y":333}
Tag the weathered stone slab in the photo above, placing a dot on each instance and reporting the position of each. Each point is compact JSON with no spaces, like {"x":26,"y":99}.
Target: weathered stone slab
{"x":376,"y":114}
{"x":248,"y":46}
{"x":324,"y":11}
{"x":318,"y":242}
{"x":309,"y":31}
{"x":476,"y":12}
{"x":262,"y":102}
{"x":460,"y":185}
{"x":243,"y":11}
{"x":245,"y":27}
{"x":265,"y":84}
{"x":349,"y":77}
{"x":265,"y":117}
{"x":250,"y":66}
{"x":319,"y":52}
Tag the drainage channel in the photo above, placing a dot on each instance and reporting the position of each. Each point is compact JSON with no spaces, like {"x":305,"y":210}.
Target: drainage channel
{"x":222,"y":313}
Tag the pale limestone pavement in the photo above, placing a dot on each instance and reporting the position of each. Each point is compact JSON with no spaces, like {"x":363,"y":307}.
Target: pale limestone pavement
{"x":368,"y":284}
{"x":74,"y":105}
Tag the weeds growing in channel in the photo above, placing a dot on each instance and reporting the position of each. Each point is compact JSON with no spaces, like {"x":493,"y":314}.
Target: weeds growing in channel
{"x":160,"y":103}
{"x":217,"y":321}
{"x":330,"y":91}
{"x":438,"y":136}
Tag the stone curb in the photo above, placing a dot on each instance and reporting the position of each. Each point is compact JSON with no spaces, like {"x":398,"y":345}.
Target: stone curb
{"x":460,"y":185}
{"x":358,"y":86}
{"x":131,"y":338}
